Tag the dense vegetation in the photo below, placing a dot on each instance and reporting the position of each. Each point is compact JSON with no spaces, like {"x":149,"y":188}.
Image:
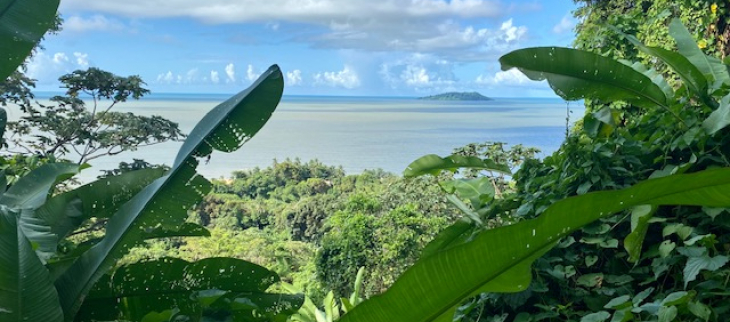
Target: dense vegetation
{"x":628,"y":220}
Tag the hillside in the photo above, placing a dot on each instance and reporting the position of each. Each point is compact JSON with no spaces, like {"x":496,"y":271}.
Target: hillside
{"x":457,"y":96}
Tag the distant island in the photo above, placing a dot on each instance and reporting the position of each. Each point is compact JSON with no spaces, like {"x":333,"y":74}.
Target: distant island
{"x":457,"y":96}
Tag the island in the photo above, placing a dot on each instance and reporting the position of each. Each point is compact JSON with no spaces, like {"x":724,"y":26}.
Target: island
{"x":457,"y":96}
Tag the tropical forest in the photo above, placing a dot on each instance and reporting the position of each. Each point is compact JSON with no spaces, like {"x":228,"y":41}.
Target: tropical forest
{"x":627,"y":220}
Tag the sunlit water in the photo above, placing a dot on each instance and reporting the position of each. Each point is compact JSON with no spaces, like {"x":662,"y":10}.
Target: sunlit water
{"x":356,"y":132}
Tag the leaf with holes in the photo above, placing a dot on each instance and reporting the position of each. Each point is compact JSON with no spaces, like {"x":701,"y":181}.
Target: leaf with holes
{"x":575,"y":74}
{"x":165,"y":202}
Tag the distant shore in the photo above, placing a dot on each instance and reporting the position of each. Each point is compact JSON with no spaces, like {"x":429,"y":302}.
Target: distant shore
{"x":457,"y":96}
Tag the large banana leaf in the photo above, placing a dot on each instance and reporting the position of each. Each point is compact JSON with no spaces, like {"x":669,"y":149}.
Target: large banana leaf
{"x":166,"y":200}
{"x":133,"y":291}
{"x":575,"y":74}
{"x":434,"y":164}
{"x":692,"y":77}
{"x":687,"y":47}
{"x":22,"y":25}
{"x":31,"y":191}
{"x":99,"y":199}
{"x":499,"y":260}
{"x":26,"y":290}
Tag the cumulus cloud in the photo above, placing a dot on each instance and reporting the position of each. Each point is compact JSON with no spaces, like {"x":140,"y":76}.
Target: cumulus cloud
{"x":294,"y":77}
{"x":565,"y":24}
{"x":214,"y":77}
{"x":165,"y":77}
{"x":512,"y":77}
{"x":419,"y":71}
{"x":317,"y":11}
{"x":346,"y":78}
{"x":92,"y":23}
{"x":192,"y":75}
{"x":230,"y":73}
{"x":395,"y":25}
{"x":251,"y":75}
{"x":46,"y":68}
{"x":82,"y":59}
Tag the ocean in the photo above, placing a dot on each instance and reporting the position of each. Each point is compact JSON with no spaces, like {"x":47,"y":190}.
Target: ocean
{"x":357,"y":133}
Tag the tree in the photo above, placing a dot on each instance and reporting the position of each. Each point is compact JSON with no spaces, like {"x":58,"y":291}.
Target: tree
{"x":89,"y":133}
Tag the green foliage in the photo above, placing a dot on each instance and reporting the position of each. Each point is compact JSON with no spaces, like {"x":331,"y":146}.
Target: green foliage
{"x":69,"y":127}
{"x":575,"y":254}
{"x":47,"y":278}
{"x":23,"y":25}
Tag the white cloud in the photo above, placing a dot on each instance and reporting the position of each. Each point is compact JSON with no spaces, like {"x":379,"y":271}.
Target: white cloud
{"x":512,"y":77}
{"x":294,"y":77}
{"x":230,"y":73}
{"x":93,"y":23}
{"x":346,"y":78}
{"x":251,"y":75}
{"x":459,"y":30}
{"x":318,"y":11}
{"x":46,"y":68}
{"x":82,"y":59}
{"x":165,"y":77}
{"x":419,"y":71}
{"x":565,"y":24}
{"x":192,"y":75}
{"x":214,"y":77}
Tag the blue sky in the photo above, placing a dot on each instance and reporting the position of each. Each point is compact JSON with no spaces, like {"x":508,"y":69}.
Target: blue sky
{"x":324,"y":47}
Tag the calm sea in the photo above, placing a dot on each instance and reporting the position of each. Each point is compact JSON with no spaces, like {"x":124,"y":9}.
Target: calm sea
{"x":357,"y":132}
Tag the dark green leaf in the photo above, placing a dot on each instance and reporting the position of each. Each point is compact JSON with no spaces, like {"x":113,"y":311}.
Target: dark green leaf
{"x":639,"y":226}
{"x":575,"y":74}
{"x":719,"y":118}
{"x":687,"y":47}
{"x":434,"y":165}
{"x":26,"y":291}
{"x":692,"y":77}
{"x":31,"y":191}
{"x":596,"y":317}
{"x":165,"y":202}
{"x":22,"y":24}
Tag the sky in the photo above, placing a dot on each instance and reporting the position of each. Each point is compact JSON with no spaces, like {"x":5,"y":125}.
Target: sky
{"x":324,"y":47}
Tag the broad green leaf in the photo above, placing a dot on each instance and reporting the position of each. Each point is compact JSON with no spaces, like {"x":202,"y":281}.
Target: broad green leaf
{"x":165,"y":202}
{"x":458,"y":233}
{"x":618,"y":303}
{"x":434,"y":165}
{"x":666,"y":248}
{"x":700,"y":310}
{"x":135,"y":290}
{"x":676,"y":298}
{"x":590,"y":280}
{"x":719,"y":118}
{"x":575,"y":74}
{"x":99,"y":199}
{"x":31,"y":191}
{"x":687,"y":47}
{"x":703,"y":262}
{"x":633,"y":242}
{"x":478,"y":191}
{"x":596,"y":317}
{"x":464,"y":208}
{"x":653,"y":74}
{"x":26,"y":290}
{"x":667,"y":314}
{"x":499,"y":260}
{"x":692,"y":77}
{"x":22,"y":25}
